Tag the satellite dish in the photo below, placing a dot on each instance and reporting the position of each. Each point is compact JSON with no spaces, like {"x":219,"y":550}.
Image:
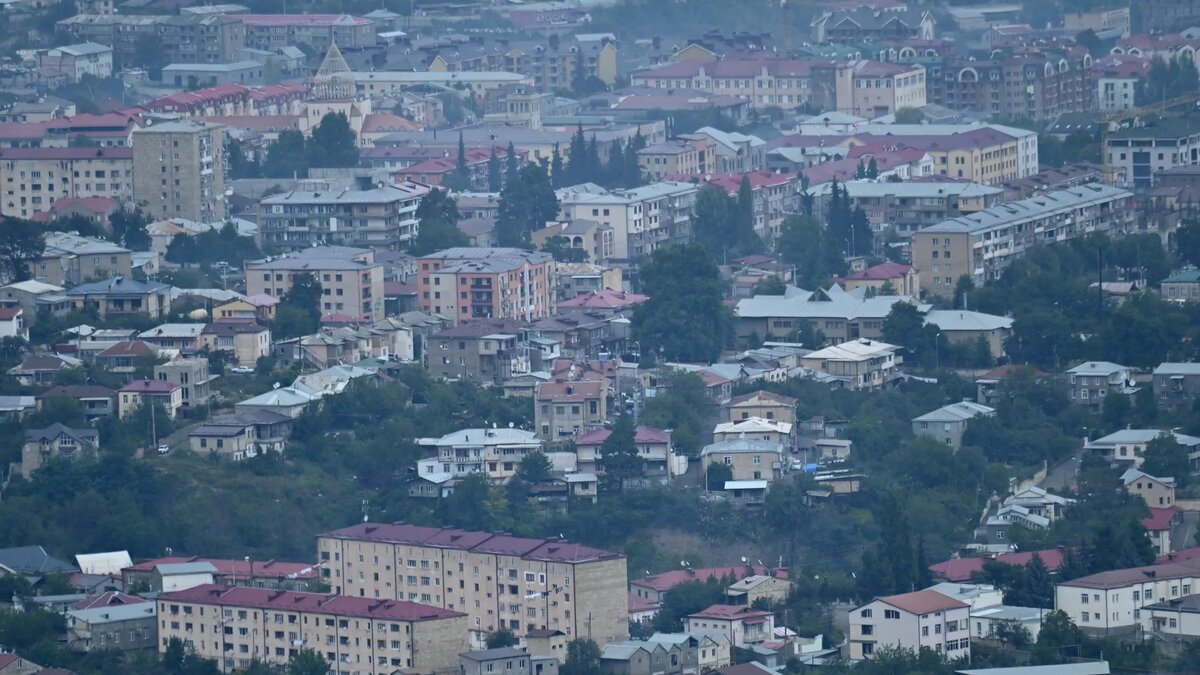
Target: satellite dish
{"x":510,"y":425}
{"x":743,"y":559}
{"x":683,"y":563}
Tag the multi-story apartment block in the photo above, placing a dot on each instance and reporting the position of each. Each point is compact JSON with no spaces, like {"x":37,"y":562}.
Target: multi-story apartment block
{"x":564,"y":410}
{"x":1116,"y":79}
{"x":499,"y":581}
{"x":381,"y":217}
{"x":274,"y":31}
{"x":1031,"y":82}
{"x":76,"y":61}
{"x":883,"y":88}
{"x":186,"y":38}
{"x":867,"y":24}
{"x":1090,"y":383}
{"x":920,"y":620}
{"x":553,"y":64}
{"x":981,"y":245}
{"x":489,"y":350}
{"x":495,"y":453}
{"x":351,"y":281}
{"x":32,"y":179}
{"x":1159,"y":16}
{"x":642,"y":219}
{"x":735,"y":152}
{"x":990,"y":153}
{"x":1155,"y":145}
{"x":773,"y":196}
{"x":677,"y":156}
{"x":69,"y":260}
{"x":356,"y":635}
{"x":192,"y":376}
{"x":1116,"y":20}
{"x":1176,"y":384}
{"x":1110,"y":603}
{"x":908,"y":207}
{"x":179,"y":170}
{"x":487,"y":283}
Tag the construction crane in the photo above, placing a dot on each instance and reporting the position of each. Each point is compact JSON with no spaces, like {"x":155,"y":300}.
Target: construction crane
{"x":1118,"y":117}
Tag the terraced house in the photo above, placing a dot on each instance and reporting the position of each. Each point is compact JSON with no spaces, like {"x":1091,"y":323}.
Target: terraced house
{"x":499,"y":581}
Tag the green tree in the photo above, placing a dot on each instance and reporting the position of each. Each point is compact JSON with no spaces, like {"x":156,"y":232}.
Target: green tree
{"x":21,"y":243}
{"x":240,"y":166}
{"x":559,"y":247}
{"x":148,"y":53}
{"x":681,"y":405}
{"x":1187,"y":242}
{"x":299,"y":311}
{"x":619,"y":454}
{"x":510,"y":163}
{"x":495,"y":178}
{"x":684,"y":284}
{"x":583,"y":658}
{"x":287,"y":156}
{"x":807,"y":334}
{"x":716,"y":475}
{"x":711,"y":220}
{"x":1167,"y":458}
{"x":905,"y":326}
{"x":803,"y":242}
{"x":1034,"y":586}
{"x":746,"y":240}
{"x":333,"y":143}
{"x":873,"y":169}
{"x":501,"y":638}
{"x":535,"y":467}
{"x":1058,"y":639}
{"x":438,"y":218}
{"x":307,"y":662}
{"x":77,"y":222}
{"x":526,"y":204}
{"x":128,"y":227}
{"x":906,"y":115}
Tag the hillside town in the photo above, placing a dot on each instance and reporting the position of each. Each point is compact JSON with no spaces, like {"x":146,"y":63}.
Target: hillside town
{"x":600,"y":337}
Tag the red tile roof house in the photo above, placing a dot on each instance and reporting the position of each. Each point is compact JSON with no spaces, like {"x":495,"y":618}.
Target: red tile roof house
{"x":133,"y":395}
{"x":606,"y":302}
{"x":1159,"y":524}
{"x":903,"y":278}
{"x":655,"y":586}
{"x":293,"y":576}
{"x":742,"y":625}
{"x":961,"y":569}
{"x":653,"y":446}
{"x":901,"y":620}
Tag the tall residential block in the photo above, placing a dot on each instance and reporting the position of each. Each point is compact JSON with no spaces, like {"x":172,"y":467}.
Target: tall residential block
{"x":498,"y":580}
{"x":179,"y":170}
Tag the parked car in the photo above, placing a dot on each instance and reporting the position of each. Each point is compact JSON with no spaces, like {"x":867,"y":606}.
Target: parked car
{"x":242,"y":370}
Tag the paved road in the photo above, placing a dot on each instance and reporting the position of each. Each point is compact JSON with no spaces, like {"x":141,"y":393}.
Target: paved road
{"x":1062,"y":476}
{"x":1183,"y":534}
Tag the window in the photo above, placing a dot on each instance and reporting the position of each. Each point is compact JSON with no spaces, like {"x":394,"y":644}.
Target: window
{"x":891,"y":614}
{"x":868,"y":629}
{"x":866,"y":614}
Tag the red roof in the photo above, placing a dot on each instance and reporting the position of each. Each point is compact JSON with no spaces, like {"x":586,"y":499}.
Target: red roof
{"x":732,"y":182}
{"x":640,"y":435}
{"x":7,"y":660}
{"x":379,"y":122}
{"x":604,"y":299}
{"x":922,"y":602}
{"x":887,"y":270}
{"x":150,"y":387}
{"x":108,"y":599}
{"x":234,"y":569}
{"x":1122,"y":66}
{"x":318,"y":603}
{"x":667,"y":580}
{"x":637,"y":605}
{"x":1160,"y":519}
{"x":730,"y":612}
{"x":9,"y":313}
{"x":66,"y":153}
{"x":133,"y":348}
{"x":732,"y":68}
{"x":1192,"y":553}
{"x":554,"y":550}
{"x":569,"y":391}
{"x":299,"y":19}
{"x":97,"y":205}
{"x":961,"y":569}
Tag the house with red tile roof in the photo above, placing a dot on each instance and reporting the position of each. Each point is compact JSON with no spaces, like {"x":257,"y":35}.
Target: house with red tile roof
{"x":12,"y":664}
{"x":565,"y":410}
{"x":962,"y":569}
{"x":654,"y":447}
{"x":277,"y":574}
{"x":654,"y":587}
{"x":740,"y":624}
{"x":919,"y":620}
{"x":1158,"y":525}
{"x":604,"y":301}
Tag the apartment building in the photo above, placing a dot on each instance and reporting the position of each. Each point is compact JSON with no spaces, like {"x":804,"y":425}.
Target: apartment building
{"x":859,"y":364}
{"x":270,"y":32}
{"x":1035,"y":82}
{"x":75,"y":61}
{"x":882,"y":88}
{"x":1111,"y":603}
{"x":34,"y":178}
{"x":555,"y":63}
{"x":1166,"y":15}
{"x":1127,"y":447}
{"x":740,"y":625}
{"x":564,"y":410}
{"x":949,"y":423}
{"x":69,"y":260}
{"x":498,"y":580}
{"x":179,"y":170}
{"x":868,"y":24}
{"x":1116,"y":20}
{"x":186,"y":38}
{"x":1116,"y":78}
{"x":351,"y":281}
{"x":487,"y":283}
{"x":748,"y":459}
{"x":1091,"y":382}
{"x":773,"y":196}
{"x":1155,"y":145}
{"x":919,"y":620}
{"x":642,"y":219}
{"x":235,"y":626}
{"x":381,"y":217}
{"x":981,"y":245}
{"x":677,"y":156}
{"x":839,"y":314}
{"x":1176,"y":384}
{"x":907,"y":207}
{"x":154,"y":392}
{"x":496,"y":453}
{"x":487,"y":350}
{"x":193,"y":378}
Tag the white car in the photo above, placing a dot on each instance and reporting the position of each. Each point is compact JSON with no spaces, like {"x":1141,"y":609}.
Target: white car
{"x":242,"y":370}
{"x":163,"y":449}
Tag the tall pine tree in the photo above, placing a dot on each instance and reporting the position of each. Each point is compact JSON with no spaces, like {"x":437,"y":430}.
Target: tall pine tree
{"x":495,"y":181}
